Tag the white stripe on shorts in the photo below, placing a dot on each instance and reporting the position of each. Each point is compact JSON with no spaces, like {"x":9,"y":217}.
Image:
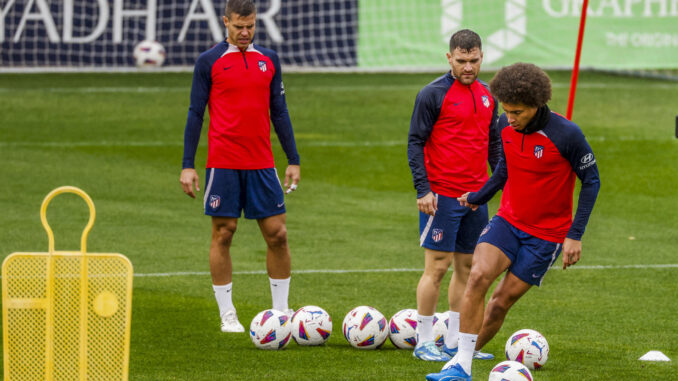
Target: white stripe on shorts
{"x":428,"y":226}
{"x":553,"y":259}
{"x":278,"y":177}
{"x":207,"y":189}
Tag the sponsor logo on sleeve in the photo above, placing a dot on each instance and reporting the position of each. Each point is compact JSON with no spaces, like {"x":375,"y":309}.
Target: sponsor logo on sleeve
{"x":587,"y":161}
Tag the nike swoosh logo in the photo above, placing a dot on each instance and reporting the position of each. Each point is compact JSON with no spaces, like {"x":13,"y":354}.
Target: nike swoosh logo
{"x":281,"y":205}
{"x":226,"y":68}
{"x":535,"y":276}
{"x":456,"y":104}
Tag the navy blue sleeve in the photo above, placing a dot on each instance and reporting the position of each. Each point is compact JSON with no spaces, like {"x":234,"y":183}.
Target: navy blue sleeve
{"x":280,"y":116}
{"x":426,"y":112}
{"x":200,"y":90}
{"x":499,"y":175}
{"x":494,"y":148}
{"x":575,"y":149}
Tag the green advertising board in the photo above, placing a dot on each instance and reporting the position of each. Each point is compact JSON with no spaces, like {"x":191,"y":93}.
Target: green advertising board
{"x":620,"y":34}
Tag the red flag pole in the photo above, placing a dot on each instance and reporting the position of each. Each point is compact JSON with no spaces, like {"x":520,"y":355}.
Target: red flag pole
{"x":575,"y":69}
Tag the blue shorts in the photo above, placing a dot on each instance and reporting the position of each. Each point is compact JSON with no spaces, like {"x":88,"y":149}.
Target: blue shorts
{"x":531,"y":257}
{"x":454,"y":228}
{"x":230,"y":191}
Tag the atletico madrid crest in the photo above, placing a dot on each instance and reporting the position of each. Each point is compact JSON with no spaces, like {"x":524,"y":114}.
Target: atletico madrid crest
{"x":262,"y":66}
{"x":538,"y":151}
{"x":437,"y":235}
{"x":215,"y":201}
{"x":486,"y":100}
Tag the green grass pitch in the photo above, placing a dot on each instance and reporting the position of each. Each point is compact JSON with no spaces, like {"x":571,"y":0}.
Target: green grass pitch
{"x":120,"y":138}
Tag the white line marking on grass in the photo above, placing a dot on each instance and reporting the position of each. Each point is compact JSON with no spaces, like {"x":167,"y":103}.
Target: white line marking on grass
{"x":305,"y":143}
{"x":387,"y":143}
{"x":608,"y":267}
{"x":353,"y":271}
{"x":91,"y":144}
{"x":370,"y":86}
{"x":101,"y":90}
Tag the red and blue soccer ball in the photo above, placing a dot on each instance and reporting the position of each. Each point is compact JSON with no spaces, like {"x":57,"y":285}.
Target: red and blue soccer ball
{"x":510,"y":371}
{"x":311,"y":325}
{"x":403,"y":329}
{"x":365,"y":328}
{"x":149,"y":54}
{"x":528,"y":347}
{"x":270,"y":329}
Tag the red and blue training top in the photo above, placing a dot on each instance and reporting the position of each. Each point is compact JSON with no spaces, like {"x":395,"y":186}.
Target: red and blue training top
{"x":453,"y":134}
{"x":240,"y":88}
{"x":537,"y":173}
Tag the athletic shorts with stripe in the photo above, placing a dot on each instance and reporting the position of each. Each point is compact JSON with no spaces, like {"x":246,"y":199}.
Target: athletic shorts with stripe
{"x":531,"y":257}
{"x":454,"y":228}
{"x":257,"y":192}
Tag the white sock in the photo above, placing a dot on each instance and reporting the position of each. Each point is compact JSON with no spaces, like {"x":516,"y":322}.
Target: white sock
{"x":223,"y":296}
{"x":467,"y":345}
{"x":280,"y":289}
{"x":424,"y":328}
{"x":452,"y":336}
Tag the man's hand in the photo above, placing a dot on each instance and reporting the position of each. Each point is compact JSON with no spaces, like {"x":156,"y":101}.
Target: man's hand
{"x":428,"y":204}
{"x":189,"y":178}
{"x":571,"y":252}
{"x":463,"y":201}
{"x":292,"y":177}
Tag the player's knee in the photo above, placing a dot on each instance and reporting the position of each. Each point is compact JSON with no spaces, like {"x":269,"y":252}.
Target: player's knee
{"x":277,"y":238}
{"x":496,"y":309}
{"x":222,"y":234}
{"x":477,"y":280}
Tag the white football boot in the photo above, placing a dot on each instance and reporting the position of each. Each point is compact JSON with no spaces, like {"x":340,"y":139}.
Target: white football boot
{"x":230,"y":323}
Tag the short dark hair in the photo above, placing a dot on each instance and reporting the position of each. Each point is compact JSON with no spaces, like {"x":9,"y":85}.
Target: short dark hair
{"x":242,"y":7}
{"x":465,"y":39}
{"x":521,"y":83}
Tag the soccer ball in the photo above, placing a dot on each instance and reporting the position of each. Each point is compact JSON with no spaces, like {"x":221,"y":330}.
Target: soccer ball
{"x":440,"y":322}
{"x":149,"y":54}
{"x":528,"y":347}
{"x":403,"y":329}
{"x":510,"y":371}
{"x":311,"y":325}
{"x":270,"y":329}
{"x":365,"y":328}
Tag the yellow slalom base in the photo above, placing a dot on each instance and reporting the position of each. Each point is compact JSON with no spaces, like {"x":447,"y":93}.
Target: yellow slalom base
{"x":66,"y":315}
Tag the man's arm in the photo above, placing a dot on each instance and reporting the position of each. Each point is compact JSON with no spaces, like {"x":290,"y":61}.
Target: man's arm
{"x":499,"y":174}
{"x":494,"y":147}
{"x":424,"y":116}
{"x":280,"y":117}
{"x":491,"y":187}
{"x":577,"y":151}
{"x":583,"y":162}
{"x":200,"y":89}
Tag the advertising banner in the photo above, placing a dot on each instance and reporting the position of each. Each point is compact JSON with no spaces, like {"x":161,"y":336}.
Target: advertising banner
{"x":364,"y":34}
{"x":620,"y":34}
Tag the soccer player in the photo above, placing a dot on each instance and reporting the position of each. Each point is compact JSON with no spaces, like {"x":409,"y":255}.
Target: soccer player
{"x":453,"y":134}
{"x":241,"y":82}
{"x":543,"y":154}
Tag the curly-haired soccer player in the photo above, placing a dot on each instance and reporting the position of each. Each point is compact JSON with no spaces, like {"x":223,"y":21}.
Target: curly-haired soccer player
{"x":543,"y":155}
